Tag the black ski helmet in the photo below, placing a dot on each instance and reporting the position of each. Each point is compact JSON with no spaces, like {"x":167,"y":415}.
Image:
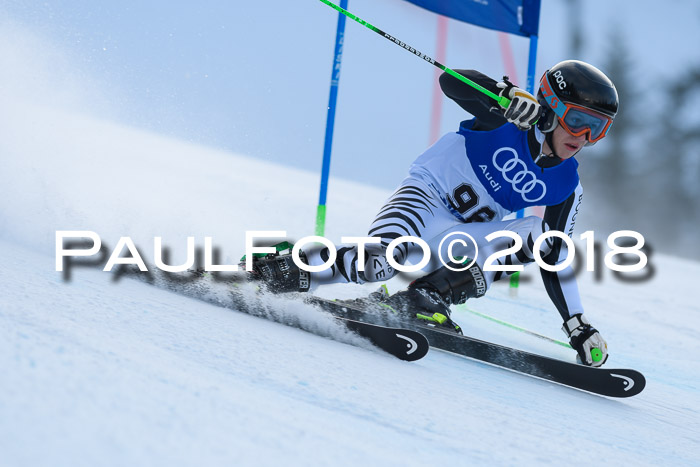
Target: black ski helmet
{"x":579,"y":83}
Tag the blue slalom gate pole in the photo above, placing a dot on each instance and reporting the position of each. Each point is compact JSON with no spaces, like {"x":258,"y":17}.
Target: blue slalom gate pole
{"x":532,"y":61}
{"x":330,"y":122}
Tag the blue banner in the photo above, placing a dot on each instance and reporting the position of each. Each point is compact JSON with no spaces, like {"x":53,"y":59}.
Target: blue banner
{"x":520,"y":17}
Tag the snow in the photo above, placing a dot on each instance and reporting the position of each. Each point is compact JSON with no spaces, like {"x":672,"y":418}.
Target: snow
{"x":103,"y":372}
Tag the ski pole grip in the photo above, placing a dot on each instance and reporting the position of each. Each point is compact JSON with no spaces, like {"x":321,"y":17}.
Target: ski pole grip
{"x":503,"y":101}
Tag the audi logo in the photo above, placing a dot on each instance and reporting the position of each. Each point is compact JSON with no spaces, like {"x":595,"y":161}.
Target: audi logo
{"x":515,"y":172}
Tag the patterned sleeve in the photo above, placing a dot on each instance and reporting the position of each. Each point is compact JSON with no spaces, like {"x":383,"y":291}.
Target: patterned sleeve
{"x":475,"y":102}
{"x":561,"y":286}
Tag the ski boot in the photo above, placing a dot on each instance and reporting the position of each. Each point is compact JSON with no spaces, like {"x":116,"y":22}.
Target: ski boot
{"x":423,"y":304}
{"x":429,"y":298}
{"x":407,"y":304}
{"x":278,"y":272}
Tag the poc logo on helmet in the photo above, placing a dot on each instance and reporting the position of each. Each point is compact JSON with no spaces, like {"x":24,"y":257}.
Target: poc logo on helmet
{"x":560,"y":79}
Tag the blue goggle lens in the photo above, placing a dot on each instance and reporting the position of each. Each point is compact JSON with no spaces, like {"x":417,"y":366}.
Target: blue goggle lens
{"x":578,"y":120}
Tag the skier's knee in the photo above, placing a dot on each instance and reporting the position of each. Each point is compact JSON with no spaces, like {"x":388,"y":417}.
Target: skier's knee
{"x":376,"y":266}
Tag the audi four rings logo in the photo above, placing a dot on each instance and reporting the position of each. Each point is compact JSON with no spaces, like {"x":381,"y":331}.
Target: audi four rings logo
{"x":515,"y":172}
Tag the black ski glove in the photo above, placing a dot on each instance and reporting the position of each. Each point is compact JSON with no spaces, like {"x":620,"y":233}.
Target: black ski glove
{"x":586,"y":340}
{"x":524,"y":110}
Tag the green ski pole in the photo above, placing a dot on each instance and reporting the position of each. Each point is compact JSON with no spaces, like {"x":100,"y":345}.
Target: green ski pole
{"x":513,"y":326}
{"x":503,"y":101}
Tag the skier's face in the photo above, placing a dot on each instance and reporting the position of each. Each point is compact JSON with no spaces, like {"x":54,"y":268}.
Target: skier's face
{"x":566,"y":145}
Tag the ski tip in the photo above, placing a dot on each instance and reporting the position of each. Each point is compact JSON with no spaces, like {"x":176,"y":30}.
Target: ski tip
{"x":415,"y":345}
{"x":627,"y":383}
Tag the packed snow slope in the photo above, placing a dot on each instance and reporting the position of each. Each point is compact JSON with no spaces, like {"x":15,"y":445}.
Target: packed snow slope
{"x":95,"y":371}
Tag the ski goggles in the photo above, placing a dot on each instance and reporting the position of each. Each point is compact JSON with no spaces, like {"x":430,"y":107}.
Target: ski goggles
{"x":575,"y":119}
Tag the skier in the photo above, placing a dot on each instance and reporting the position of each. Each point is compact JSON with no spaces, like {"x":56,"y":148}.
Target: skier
{"x":496,"y":163}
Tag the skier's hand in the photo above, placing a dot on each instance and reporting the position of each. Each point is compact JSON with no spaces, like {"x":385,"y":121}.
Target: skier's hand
{"x":524,"y":110}
{"x":586,"y":340}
